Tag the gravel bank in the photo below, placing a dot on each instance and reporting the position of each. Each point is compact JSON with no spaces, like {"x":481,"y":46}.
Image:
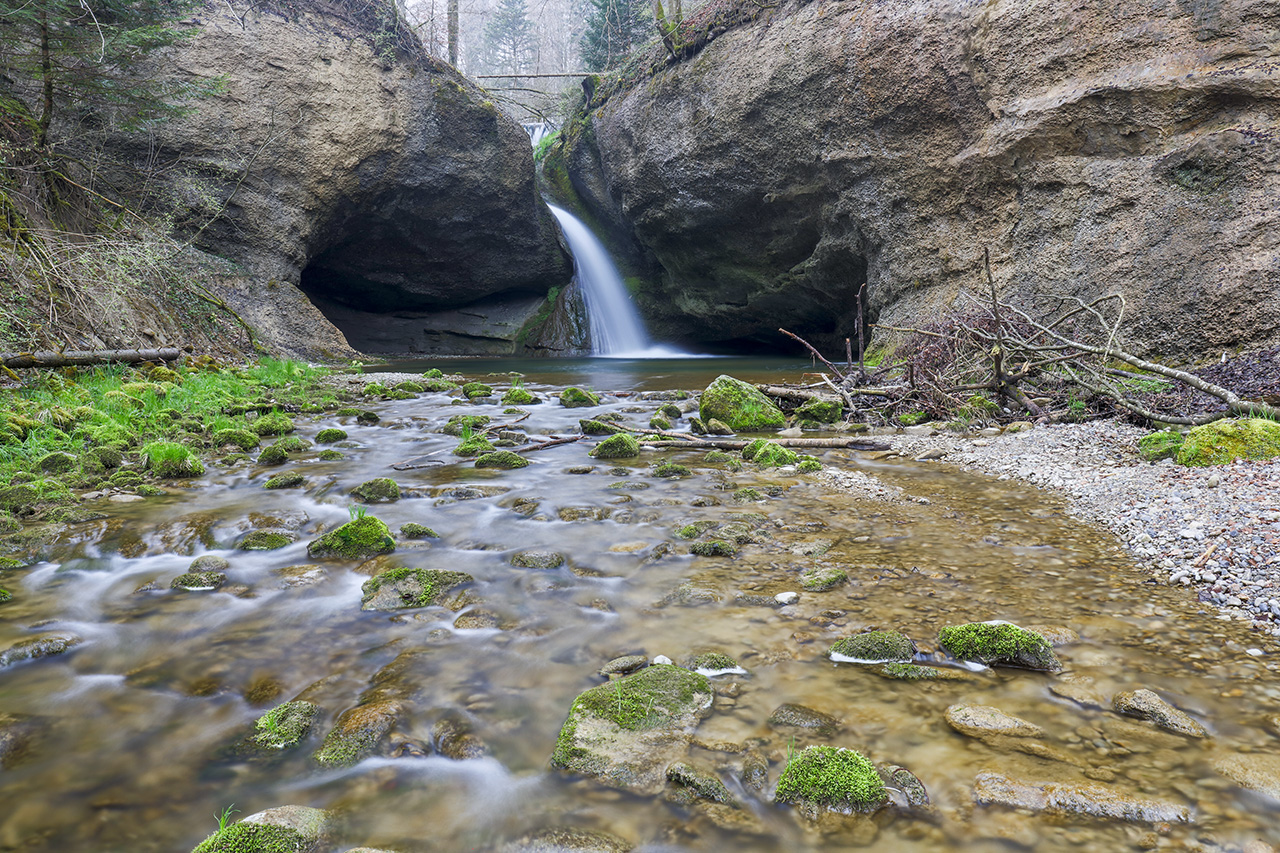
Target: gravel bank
{"x":1214,"y":529}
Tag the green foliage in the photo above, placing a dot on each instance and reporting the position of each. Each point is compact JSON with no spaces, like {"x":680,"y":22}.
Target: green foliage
{"x":613,"y":29}
{"x":831,"y":777}
{"x":225,"y":816}
{"x":540,"y":150}
{"x":1160,"y":445}
{"x":170,"y":459}
{"x":510,"y":43}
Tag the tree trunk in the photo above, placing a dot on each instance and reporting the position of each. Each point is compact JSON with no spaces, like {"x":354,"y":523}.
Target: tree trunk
{"x":453,"y":32}
{"x":63,"y":359}
{"x":46,"y":73}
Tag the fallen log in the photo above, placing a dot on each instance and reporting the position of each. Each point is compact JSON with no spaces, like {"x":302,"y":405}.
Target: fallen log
{"x":20,"y":360}
{"x":796,"y":393}
{"x":529,"y":448}
{"x":738,"y":444}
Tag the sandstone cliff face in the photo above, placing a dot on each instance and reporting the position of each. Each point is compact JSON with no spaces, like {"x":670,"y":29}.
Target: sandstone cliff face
{"x":376,"y":179}
{"x":1123,"y":147}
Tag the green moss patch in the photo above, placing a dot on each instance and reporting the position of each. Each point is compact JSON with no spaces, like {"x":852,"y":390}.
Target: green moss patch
{"x":273,"y":455}
{"x":501,"y":459}
{"x":458,"y":424}
{"x":330,"y":435}
{"x":476,"y":445}
{"x":254,"y":838}
{"x":595,"y":426}
{"x":671,"y":471}
{"x":476,"y":389}
{"x":999,"y":644}
{"x":823,"y":578}
{"x":275,"y":423}
{"x":1227,"y":440}
{"x":519,"y":397}
{"x":620,"y":446}
{"x":769,"y":454}
{"x":379,"y":490}
{"x":739,"y":406}
{"x":197,"y":581}
{"x":403,"y":587}
{"x":575,"y":398}
{"x":694,"y":529}
{"x":822,"y":411}
{"x":241,"y":438}
{"x":713,"y":548}
{"x":831,"y":778}
{"x":285,"y":480}
{"x":356,"y":540}
{"x":284,"y":726}
{"x":874,"y":646}
{"x":266,"y":540}
{"x":413,"y":530}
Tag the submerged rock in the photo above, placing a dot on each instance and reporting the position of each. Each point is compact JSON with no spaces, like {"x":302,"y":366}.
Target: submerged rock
{"x":627,"y":732}
{"x":831,"y":778}
{"x":982,"y":721}
{"x":283,"y":727}
{"x":537,"y":559}
{"x":697,"y":783}
{"x":823,"y":578}
{"x":357,"y":733}
{"x":876,"y":646}
{"x":739,"y":406}
{"x":1256,"y":771}
{"x":38,"y":647}
{"x":624,"y":665}
{"x":999,"y":644}
{"x":568,"y":840}
{"x":794,"y":716}
{"x":403,"y":587}
{"x":17,"y":735}
{"x":380,"y":490}
{"x":1146,"y":705}
{"x":907,"y":784}
{"x":1080,"y":798}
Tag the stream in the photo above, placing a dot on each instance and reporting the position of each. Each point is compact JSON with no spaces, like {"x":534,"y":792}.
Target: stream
{"x":133,"y":721}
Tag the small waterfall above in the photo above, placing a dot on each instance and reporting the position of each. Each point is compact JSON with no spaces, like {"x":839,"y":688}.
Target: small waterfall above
{"x":616,"y":328}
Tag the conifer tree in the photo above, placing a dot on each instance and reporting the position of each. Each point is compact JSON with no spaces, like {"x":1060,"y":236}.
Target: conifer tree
{"x":509,"y":38}
{"x":614,"y":27}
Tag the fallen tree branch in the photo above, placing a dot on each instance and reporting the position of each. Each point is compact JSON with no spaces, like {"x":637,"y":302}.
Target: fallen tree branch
{"x":529,"y":448}
{"x":816,"y":354}
{"x":738,"y":444}
{"x":21,"y":360}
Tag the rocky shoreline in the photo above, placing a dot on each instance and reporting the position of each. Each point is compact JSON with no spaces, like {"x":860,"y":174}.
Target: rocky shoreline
{"x":1215,"y":530}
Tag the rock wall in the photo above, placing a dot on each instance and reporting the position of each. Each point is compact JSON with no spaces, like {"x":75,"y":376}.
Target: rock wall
{"x":346,"y":163}
{"x":1125,"y":147}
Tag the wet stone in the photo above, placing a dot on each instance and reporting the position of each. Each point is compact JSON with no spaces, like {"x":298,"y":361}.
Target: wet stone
{"x":357,"y":733}
{"x":298,"y":829}
{"x":695,"y":782}
{"x":624,"y":665}
{"x":984,"y":721}
{"x":537,"y":559}
{"x":17,"y":736}
{"x":1080,"y":799}
{"x":1146,"y":705}
{"x":906,"y":784}
{"x":198,"y":581}
{"x":301,"y":575}
{"x":583,"y":513}
{"x":209,"y":563}
{"x":38,"y":647}
{"x":795,"y":716}
{"x":1256,"y":771}
{"x":1079,"y":689}
{"x":568,"y":840}
{"x":453,"y":739}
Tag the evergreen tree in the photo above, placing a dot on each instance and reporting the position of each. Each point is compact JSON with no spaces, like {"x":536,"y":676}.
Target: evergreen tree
{"x":614,"y":27}
{"x":509,"y":38}
{"x":89,"y":54}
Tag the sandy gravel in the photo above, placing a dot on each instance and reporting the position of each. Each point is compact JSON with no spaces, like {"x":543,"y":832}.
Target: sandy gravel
{"x":1214,"y":529}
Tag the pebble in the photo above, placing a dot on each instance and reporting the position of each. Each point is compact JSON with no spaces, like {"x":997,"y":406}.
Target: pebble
{"x":785,"y":598}
{"x":1216,"y":532}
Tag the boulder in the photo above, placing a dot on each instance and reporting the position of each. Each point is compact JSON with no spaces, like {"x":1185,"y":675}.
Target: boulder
{"x":1084,"y":799}
{"x":874,"y":647}
{"x":356,"y":182}
{"x":297,"y":829}
{"x":357,"y":733}
{"x":1227,"y":440}
{"x":983,"y":721}
{"x":999,"y":644}
{"x":403,"y":587}
{"x":379,"y":490}
{"x":739,"y":406}
{"x":38,"y":647}
{"x":627,"y":732}
{"x":358,"y":539}
{"x":1146,"y":705}
{"x":1256,"y":771}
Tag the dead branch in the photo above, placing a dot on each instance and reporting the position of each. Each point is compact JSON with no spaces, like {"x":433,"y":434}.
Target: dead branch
{"x":816,"y":354}
{"x":529,"y":448}
{"x":738,"y":444}
{"x":20,"y":360}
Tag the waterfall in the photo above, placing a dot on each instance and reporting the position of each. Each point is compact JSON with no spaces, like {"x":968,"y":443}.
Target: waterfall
{"x":616,"y":328}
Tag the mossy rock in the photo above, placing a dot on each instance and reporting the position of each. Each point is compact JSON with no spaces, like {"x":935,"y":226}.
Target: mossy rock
{"x":5,"y":596}
{"x":292,"y":444}
{"x":209,"y":563}
{"x":125,"y":479}
{"x":109,"y":457}
{"x":286,"y":480}
{"x":410,"y":387}
{"x":713,"y":662}
{"x":476,"y":389}
{"x":627,"y":732}
{"x":286,"y":829}
{"x":198,"y":581}
{"x":1160,"y":445}
{"x":671,"y":471}
{"x":698,"y":783}
{"x":914,"y":672}
{"x":822,"y":411}
{"x":831,"y":778}
{"x":739,"y":406}
{"x":168,"y":459}
{"x":414,"y":530}
{"x":266,"y":540}
{"x":769,"y":454}
{"x":999,"y":644}
{"x":697,"y":426}
{"x":330,"y":435}
{"x":38,"y":647}
{"x":576,"y":398}
{"x":713,"y":548}
{"x":23,"y":497}
{"x":501,"y":459}
{"x":695,"y":529}
{"x":458,"y":423}
{"x":357,"y":733}
{"x":284,"y":726}
{"x":537,"y":559}
{"x":275,"y":423}
{"x":519,"y":397}
{"x":657,"y":422}
{"x":331,"y":455}
{"x":375,"y":389}
{"x":57,"y":462}
{"x":366,"y":417}
{"x":1227,"y":440}
{"x":620,"y":446}
{"x":823,"y":578}
{"x":241,"y":438}
{"x":874,"y":647}
{"x":670,"y":411}
{"x":433,"y":373}
{"x":438,"y":385}
{"x":477,"y":445}
{"x":356,"y":540}
{"x":273,"y":455}
{"x":747,"y":495}
{"x":595,"y":426}
{"x":402,"y":588}
{"x":808,"y":465}
{"x":380,"y":490}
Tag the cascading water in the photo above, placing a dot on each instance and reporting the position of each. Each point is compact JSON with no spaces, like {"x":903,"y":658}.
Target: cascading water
{"x":616,"y":328}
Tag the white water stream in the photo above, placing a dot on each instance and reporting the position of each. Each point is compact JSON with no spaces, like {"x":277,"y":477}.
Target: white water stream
{"x":616,"y":328}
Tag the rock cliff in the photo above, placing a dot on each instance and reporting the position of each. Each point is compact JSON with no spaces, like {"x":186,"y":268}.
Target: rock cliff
{"x":796,"y":152}
{"x":342,"y":163}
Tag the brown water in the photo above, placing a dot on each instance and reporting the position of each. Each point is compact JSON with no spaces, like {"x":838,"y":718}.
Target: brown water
{"x":135,"y":716}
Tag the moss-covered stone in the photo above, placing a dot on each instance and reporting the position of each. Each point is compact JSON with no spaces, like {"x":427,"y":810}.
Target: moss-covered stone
{"x":576,"y":398}
{"x":357,"y":733}
{"x":273,"y":455}
{"x":822,"y":411}
{"x":330,"y":435}
{"x":595,"y":426}
{"x":671,"y":471}
{"x":519,"y":397}
{"x":670,"y":411}
{"x":367,"y":417}
{"x":697,"y":426}
{"x":414,"y":530}
{"x":331,"y":455}
{"x":874,"y":646}
{"x":292,"y":444}
{"x":535,"y":559}
{"x":627,"y":732}
{"x":438,"y":385}
{"x":694,"y":529}
{"x":5,"y":596}
{"x":823,"y":578}
{"x":476,"y":445}
{"x":713,"y":662}
{"x":713,"y":548}
{"x":253,"y":838}
{"x":999,"y":644}
{"x":356,"y":540}
{"x":267,"y":540}
{"x":770,"y":454}
{"x":24,"y":498}
{"x":833,"y":778}
{"x":476,"y":389}
{"x":1227,"y":440}
{"x":620,"y":446}
{"x":380,"y":490}
{"x":241,"y":438}
{"x":57,"y":462}
{"x":403,"y":587}
{"x":698,"y":782}
{"x":38,"y":647}
{"x":739,"y":406}
{"x":747,"y":495}
{"x":274,"y":423}
{"x":433,"y":373}
{"x":410,"y":387}
{"x":286,"y":480}
{"x":284,"y":726}
{"x":198,"y":581}
{"x":501,"y":459}
{"x":125,"y":479}
{"x":458,"y":424}
{"x":110,"y":457}
{"x":657,"y":422}
{"x":1160,"y":445}
{"x":914,"y":672}
{"x":808,"y":465}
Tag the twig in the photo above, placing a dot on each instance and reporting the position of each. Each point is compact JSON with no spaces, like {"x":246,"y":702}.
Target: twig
{"x":816,"y":354}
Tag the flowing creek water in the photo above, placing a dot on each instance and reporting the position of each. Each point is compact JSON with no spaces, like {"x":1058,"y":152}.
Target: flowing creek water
{"x":134,"y":718}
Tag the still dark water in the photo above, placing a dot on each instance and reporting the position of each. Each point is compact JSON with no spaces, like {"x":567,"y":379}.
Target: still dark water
{"x":132,"y":722}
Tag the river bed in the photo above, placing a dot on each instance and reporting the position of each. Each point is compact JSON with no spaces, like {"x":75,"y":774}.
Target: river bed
{"x":132,"y":723}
